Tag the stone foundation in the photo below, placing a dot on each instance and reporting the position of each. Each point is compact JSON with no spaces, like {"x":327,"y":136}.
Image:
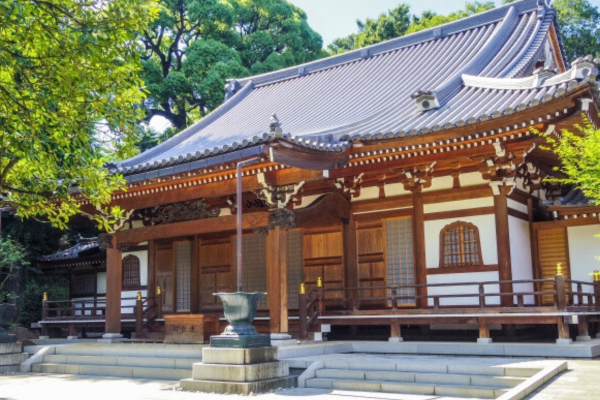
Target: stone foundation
{"x":239,"y":371}
{"x":11,"y":357}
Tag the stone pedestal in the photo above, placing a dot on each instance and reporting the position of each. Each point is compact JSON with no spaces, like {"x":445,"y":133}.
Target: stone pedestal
{"x":239,"y":371}
{"x":11,"y":357}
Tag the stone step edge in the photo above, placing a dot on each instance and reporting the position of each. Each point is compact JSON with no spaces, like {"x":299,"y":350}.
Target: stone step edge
{"x":115,"y":369}
{"x":142,"y":354}
{"x":420,"y":384}
{"x":365,"y":379}
{"x":122,"y":358}
{"x":501,"y":371}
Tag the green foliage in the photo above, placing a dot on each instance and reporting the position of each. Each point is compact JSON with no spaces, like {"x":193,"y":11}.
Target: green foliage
{"x":579,"y":24}
{"x":68,"y":69}
{"x":399,"y":22}
{"x":30,"y":302}
{"x":194,"y":45}
{"x":13,"y":258}
{"x":579,"y":153}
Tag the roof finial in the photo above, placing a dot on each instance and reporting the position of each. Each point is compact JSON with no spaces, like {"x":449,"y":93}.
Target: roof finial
{"x":426,"y":100}
{"x":275,"y":125}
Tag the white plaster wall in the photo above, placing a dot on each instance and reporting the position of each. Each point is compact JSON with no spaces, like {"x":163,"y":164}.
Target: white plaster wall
{"x":520,"y":256}
{"x":471,"y":179}
{"x":225,"y":211}
{"x":487,"y":238}
{"x":584,"y":247}
{"x":368,"y":193}
{"x":458,"y":205}
{"x":88,"y":306}
{"x":136,"y":224}
{"x":101,"y":283}
{"x":143,"y":256}
{"x":440,"y":183}
{"x":129,"y":299}
{"x":395,"y":189}
{"x":515,"y":205}
{"x":489,"y":276}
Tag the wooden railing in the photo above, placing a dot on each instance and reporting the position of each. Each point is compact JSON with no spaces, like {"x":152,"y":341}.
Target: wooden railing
{"x":145,"y":311}
{"x":480,"y":296}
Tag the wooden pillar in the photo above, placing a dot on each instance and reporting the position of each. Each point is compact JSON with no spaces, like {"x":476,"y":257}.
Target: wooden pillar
{"x":114,"y":280}
{"x":419,"y":247}
{"x":277,"y":279}
{"x":195,"y":289}
{"x":151,"y":272}
{"x":503,"y":243}
{"x":351,"y":260}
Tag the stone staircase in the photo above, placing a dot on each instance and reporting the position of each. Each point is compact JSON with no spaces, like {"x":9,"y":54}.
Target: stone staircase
{"x":464,"y":381}
{"x":130,"y":360}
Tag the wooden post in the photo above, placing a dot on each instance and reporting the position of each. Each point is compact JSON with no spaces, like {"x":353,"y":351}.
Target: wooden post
{"x":277,"y":279}
{"x":484,"y":331}
{"x":394,"y":294}
{"x":351,"y":260}
{"x":139,"y":316}
{"x":151,"y":272}
{"x":597,"y":294}
{"x":503,"y":244}
{"x":561,"y":296}
{"x":563,"y":330}
{"x":419,"y":247}
{"x":303,"y":333}
{"x":114,"y":281}
{"x":320,"y":297}
{"x":395,"y":331}
{"x":583,"y":333}
{"x":481,"y":296}
{"x":45,"y":306}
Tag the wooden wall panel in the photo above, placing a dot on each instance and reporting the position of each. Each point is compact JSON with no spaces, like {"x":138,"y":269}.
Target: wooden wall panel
{"x":323,"y":256}
{"x":215,"y":270}
{"x":553,"y":248}
{"x":371,"y":261}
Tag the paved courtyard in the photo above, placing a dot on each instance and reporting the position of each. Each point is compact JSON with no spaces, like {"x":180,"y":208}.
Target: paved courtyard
{"x":581,"y":381}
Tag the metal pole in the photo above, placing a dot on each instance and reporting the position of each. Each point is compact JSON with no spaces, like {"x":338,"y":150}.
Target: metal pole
{"x":238,"y":207}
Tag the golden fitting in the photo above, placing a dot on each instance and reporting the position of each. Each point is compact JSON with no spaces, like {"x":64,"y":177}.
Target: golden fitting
{"x":302,"y":289}
{"x":139,"y":296}
{"x":559,"y":270}
{"x":45,"y":297}
{"x":158,"y":290}
{"x":596,"y":275}
{"x":319,"y":282}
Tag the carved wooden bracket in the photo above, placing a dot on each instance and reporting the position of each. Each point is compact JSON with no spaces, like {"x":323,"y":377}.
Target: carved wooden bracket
{"x":531,"y":175}
{"x":504,"y":164}
{"x":349,"y":185}
{"x":105,"y":241}
{"x":416,"y":178}
{"x":176,"y":212}
{"x":278,"y":196}
{"x":282,"y":217}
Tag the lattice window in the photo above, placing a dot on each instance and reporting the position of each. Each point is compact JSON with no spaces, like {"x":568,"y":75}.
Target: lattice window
{"x":183,"y":274}
{"x":131,"y":272}
{"x":399,"y":257}
{"x":83,"y":284}
{"x":459,"y":245}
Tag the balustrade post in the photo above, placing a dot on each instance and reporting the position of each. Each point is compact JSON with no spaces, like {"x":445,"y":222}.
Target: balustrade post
{"x":320,"y":295}
{"x":302,"y":330}
{"x":159,"y":302}
{"x":394,"y":299}
{"x":139,"y":315}
{"x":73,"y":308}
{"x":561,"y":295}
{"x":579,"y":294}
{"x":45,"y":306}
{"x":597,"y":294}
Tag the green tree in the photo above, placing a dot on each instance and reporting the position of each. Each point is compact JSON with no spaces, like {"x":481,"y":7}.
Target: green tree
{"x":12,"y":259}
{"x":194,"y":45}
{"x":579,"y":153}
{"x":399,"y":22}
{"x":69,"y":81}
{"x":579,"y":24}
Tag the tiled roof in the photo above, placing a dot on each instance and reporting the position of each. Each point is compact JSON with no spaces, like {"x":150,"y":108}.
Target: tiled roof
{"x":84,"y":247}
{"x":476,"y":69}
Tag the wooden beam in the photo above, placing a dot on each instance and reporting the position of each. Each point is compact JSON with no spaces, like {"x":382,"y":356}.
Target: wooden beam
{"x":195,"y":227}
{"x":114,"y":281}
{"x":350,"y":258}
{"x":151,"y":272}
{"x":419,"y":247}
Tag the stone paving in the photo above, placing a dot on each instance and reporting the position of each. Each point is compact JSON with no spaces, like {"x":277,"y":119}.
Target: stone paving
{"x":581,"y":381}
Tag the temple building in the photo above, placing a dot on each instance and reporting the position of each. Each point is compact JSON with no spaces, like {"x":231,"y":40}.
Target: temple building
{"x":399,"y":184}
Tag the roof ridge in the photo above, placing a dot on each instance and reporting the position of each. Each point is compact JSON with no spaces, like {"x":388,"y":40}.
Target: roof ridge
{"x":433,"y":33}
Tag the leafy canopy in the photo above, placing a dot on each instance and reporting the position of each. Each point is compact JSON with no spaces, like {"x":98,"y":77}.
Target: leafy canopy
{"x":68,"y":70}
{"x":194,"y":45}
{"x":12,"y":259}
{"x":579,"y":23}
{"x":579,"y":153}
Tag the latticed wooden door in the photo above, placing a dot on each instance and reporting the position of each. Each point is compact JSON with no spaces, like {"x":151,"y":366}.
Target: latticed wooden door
{"x":215,"y":270}
{"x":164,"y":276}
{"x":399,"y":257}
{"x":553,"y":248}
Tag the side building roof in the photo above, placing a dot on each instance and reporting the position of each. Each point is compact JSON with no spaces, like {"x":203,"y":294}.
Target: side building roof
{"x":460,"y":73}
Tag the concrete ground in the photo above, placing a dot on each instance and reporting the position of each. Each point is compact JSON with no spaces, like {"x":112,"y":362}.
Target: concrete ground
{"x":581,"y":381}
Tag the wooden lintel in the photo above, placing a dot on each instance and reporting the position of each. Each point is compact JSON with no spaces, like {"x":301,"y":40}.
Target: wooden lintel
{"x":190,"y":228}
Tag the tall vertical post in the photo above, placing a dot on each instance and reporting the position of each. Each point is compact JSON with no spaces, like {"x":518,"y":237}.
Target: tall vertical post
{"x":238,"y":210}
{"x":195,"y":289}
{"x":277,"y":279}
{"x":351,"y":260}
{"x":151,"y":273}
{"x":114,"y":281}
{"x":419,"y":246}
{"x":503,"y":244}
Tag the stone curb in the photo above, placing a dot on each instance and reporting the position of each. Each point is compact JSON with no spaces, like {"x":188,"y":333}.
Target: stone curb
{"x":531,"y":384}
{"x":309,"y":373}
